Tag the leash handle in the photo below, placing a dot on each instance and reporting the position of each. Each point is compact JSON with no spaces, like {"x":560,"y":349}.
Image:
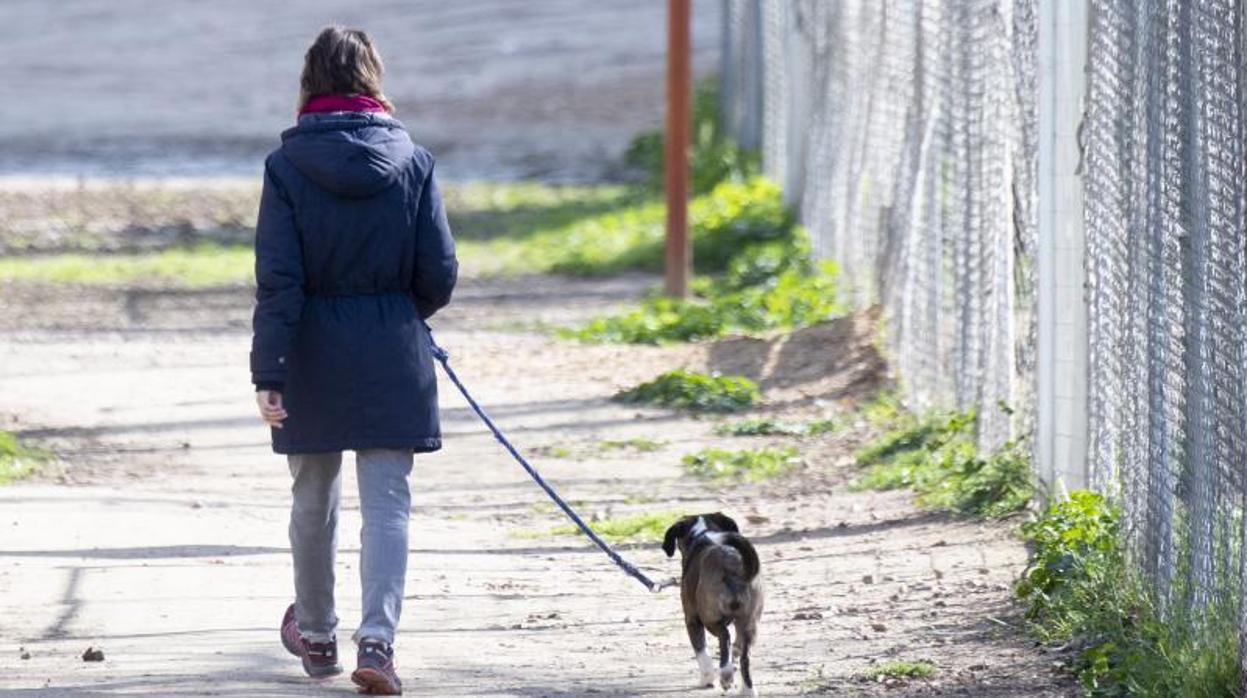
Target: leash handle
{"x":443,"y":357}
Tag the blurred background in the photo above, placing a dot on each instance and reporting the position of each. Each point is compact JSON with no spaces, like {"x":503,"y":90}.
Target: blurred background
{"x":495,"y":88}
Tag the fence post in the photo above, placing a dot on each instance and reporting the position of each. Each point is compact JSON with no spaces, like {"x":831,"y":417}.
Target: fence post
{"x":1061,"y":446}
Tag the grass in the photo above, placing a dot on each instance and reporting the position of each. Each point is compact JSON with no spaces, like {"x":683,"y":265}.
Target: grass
{"x":900,"y":669}
{"x":764,"y":277}
{"x":482,"y":211}
{"x":753,"y":465}
{"x":697,"y":392}
{"x":18,"y":460}
{"x":200,"y":266}
{"x":769,"y":426}
{"x":633,"y":528}
{"x":626,"y":232}
{"x":1081,"y":590}
{"x":938,"y":458}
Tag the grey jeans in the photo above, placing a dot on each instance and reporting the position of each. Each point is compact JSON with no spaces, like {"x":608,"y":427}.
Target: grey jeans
{"x":385,"y":502}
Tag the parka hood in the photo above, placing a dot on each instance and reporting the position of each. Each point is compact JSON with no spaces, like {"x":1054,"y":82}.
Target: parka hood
{"x":351,"y":154}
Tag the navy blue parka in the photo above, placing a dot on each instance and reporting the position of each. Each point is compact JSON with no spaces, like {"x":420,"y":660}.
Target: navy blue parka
{"x":353,"y":252}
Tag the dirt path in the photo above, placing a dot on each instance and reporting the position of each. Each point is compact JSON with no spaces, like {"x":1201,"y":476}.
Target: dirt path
{"x":164,"y":541}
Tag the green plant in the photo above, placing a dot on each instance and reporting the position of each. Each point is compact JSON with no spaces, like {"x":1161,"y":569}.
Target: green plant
{"x":990,"y":486}
{"x":1081,"y":589}
{"x":938,"y":459}
{"x":18,"y":460}
{"x":646,"y":526}
{"x":789,"y":301}
{"x":930,"y":433}
{"x":639,"y":443}
{"x":769,"y":426}
{"x":688,"y":390}
{"x":714,"y":157}
{"x":769,"y":279}
{"x":900,"y":669}
{"x":753,"y":465}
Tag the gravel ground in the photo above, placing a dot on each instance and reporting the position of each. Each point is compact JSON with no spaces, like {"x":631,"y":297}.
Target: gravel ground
{"x":161,"y":538}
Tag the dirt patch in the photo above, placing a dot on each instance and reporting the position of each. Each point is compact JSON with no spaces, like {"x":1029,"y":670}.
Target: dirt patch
{"x":837,"y":360}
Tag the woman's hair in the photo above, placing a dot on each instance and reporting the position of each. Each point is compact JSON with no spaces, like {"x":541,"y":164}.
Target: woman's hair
{"x":342,"y":62}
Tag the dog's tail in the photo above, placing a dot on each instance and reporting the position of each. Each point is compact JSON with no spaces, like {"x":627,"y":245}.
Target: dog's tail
{"x":738,"y":586}
{"x":747,"y":553}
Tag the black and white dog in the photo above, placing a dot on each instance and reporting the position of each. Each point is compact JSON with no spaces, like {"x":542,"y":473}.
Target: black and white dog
{"x":720,"y":587}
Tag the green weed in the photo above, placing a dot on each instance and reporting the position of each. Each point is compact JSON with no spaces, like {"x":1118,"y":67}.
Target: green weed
{"x":714,"y":156}
{"x":769,"y":280}
{"x":769,"y":426}
{"x":1081,"y":589}
{"x":639,"y":444}
{"x":698,"y":392}
{"x":938,"y":459}
{"x":18,"y":460}
{"x":633,"y":528}
{"x":900,"y":669}
{"x":752,"y":465}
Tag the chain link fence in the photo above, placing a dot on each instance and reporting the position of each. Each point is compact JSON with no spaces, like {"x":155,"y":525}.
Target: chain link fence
{"x":1165,"y":186}
{"x":906,"y":134}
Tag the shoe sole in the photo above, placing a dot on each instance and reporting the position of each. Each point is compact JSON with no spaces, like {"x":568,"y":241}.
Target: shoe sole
{"x":373,"y":682}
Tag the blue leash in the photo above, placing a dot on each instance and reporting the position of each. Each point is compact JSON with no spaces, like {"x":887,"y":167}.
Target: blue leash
{"x":443,"y":357}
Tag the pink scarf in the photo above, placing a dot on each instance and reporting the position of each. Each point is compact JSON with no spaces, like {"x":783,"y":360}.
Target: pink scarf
{"x":331,"y":103}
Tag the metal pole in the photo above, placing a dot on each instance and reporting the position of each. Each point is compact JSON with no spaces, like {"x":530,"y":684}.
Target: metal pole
{"x":679,"y":86}
{"x":1062,"y":438}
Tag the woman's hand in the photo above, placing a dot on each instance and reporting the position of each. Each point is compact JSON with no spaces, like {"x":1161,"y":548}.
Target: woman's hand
{"x":271,"y":410}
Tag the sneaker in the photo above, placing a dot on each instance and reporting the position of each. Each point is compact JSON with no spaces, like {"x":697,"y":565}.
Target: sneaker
{"x":320,"y":659}
{"x":376,"y":674}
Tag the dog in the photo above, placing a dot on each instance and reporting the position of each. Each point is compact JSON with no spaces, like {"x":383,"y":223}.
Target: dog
{"x":720,"y":587}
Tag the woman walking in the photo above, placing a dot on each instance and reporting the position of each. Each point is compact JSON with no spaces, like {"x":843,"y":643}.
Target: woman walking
{"x":353,"y":252}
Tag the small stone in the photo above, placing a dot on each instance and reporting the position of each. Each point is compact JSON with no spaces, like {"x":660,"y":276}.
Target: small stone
{"x":878,"y":627}
{"x":25,"y":654}
{"x":93,"y":655}
{"x":868,"y":579}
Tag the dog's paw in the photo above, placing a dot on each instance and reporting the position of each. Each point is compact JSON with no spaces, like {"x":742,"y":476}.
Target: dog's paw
{"x":727,"y":677}
{"x":707,"y":669}
{"x":751,"y":691}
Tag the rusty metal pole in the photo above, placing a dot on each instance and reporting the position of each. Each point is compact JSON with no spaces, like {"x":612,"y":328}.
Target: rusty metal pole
{"x":679,"y":87}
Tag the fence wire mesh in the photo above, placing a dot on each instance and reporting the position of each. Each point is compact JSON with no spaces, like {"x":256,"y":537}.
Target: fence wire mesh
{"x":906,"y":134}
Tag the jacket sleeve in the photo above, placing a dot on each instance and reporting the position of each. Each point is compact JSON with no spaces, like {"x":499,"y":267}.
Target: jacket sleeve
{"x":279,"y":285}
{"x":436,"y":268}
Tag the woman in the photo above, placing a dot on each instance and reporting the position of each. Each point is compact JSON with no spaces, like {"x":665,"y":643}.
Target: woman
{"x":353,"y":253}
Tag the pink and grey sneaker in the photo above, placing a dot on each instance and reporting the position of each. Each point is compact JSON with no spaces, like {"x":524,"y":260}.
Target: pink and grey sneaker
{"x":376,"y":674}
{"x":320,"y":659}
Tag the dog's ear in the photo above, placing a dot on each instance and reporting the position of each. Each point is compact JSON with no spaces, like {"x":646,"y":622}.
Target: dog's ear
{"x":677,"y":529}
{"x":723,"y":522}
